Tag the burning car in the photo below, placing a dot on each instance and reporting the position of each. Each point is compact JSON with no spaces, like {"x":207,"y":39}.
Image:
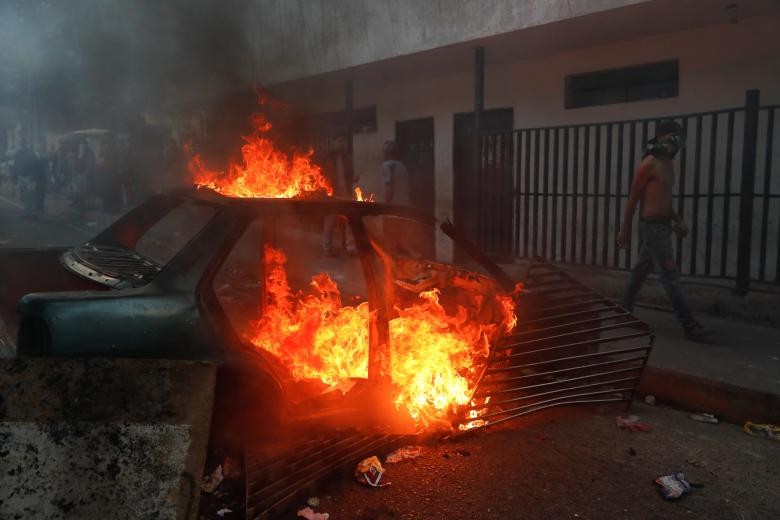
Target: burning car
{"x":243,"y":281}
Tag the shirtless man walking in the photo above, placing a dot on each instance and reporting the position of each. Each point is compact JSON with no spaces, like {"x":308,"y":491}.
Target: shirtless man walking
{"x":652,"y":189}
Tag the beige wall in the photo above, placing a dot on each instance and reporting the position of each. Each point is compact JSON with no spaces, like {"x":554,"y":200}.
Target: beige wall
{"x":300,"y":38}
{"x":717,"y":64}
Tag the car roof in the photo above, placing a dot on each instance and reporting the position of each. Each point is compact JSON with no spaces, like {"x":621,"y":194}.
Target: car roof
{"x":311,"y":204}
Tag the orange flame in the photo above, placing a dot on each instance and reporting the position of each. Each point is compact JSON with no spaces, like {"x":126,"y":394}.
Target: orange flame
{"x":265,"y":171}
{"x":434,"y":355}
{"x":359,"y":196}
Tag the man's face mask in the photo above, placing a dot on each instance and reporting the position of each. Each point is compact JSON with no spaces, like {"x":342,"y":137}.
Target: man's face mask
{"x":668,"y":145}
{"x":672,"y":144}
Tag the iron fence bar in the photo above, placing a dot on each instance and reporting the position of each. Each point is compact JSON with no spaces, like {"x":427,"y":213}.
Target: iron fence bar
{"x":597,"y":384}
{"x":594,"y":355}
{"x":631,"y":157}
{"x":573,"y":304}
{"x":536,"y":409}
{"x":747,"y":191}
{"x":770,"y":128}
{"x":595,"y":221}
{"x":555,"y":399}
{"x":613,"y":326}
{"x":589,"y":341}
{"x":696,"y":182}
{"x":681,"y":191}
{"x":575,"y":193}
{"x":565,"y":227}
{"x":527,"y":197}
{"x":618,"y":189}
{"x":607,"y":190}
{"x":507,"y":197}
{"x":545,"y":182}
{"x":586,"y":171}
{"x":642,"y":369}
{"x":727,"y":194}
{"x":556,"y":194}
{"x":547,"y":373}
{"x":559,"y":382}
{"x":535,"y":226}
{"x":494,"y":201}
{"x":611,"y":308}
{"x":518,"y":144}
{"x":570,"y":324}
{"x":710,"y":197}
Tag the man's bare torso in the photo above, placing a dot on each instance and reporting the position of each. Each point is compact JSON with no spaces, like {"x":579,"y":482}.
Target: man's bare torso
{"x":656,"y":198}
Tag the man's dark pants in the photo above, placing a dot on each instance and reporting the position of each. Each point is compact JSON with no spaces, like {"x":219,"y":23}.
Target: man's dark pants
{"x":655,"y":252}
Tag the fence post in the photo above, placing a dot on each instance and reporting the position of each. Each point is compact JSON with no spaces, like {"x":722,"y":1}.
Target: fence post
{"x":747,"y":188}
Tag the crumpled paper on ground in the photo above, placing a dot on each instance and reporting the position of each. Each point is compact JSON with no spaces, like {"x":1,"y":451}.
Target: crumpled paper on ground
{"x":407,"y":452}
{"x":309,"y":514}
{"x":673,"y":486}
{"x":369,"y":471}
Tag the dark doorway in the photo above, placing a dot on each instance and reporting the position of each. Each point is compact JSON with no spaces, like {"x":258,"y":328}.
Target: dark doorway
{"x":414,"y":139}
{"x":465,"y":187}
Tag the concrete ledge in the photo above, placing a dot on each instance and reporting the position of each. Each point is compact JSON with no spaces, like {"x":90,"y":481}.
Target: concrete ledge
{"x":696,"y":394}
{"x":103,"y":438}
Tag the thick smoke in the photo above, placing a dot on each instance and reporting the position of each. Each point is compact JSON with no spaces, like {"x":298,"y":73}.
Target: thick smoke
{"x":80,"y":63}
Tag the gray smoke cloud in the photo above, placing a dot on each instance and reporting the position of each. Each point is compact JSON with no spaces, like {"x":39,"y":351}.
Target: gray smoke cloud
{"x":82,"y":62}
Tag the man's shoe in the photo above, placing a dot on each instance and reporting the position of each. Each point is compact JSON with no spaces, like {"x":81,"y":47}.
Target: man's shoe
{"x":696,"y":331}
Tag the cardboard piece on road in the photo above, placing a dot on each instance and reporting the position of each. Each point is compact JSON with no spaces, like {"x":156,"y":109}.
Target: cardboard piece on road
{"x":103,"y":438}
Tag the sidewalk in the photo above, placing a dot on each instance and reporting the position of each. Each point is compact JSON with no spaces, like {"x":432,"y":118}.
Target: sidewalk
{"x":58,"y":208}
{"x":735,"y":374}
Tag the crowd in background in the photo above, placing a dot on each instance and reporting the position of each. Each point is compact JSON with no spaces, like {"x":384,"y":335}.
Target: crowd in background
{"x":109,"y":172}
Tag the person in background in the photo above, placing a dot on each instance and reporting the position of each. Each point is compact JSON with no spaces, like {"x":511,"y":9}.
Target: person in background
{"x":398,"y":232}
{"x":395,"y":178}
{"x":85,"y":163}
{"x":652,"y":190}
{"x":337,"y":168}
{"x":111,"y":185}
{"x":30,"y":174}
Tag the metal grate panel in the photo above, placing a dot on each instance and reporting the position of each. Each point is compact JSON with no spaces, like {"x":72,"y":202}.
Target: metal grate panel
{"x":571,"y":346}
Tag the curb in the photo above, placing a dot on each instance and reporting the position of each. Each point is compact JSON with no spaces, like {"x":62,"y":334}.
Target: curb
{"x":697,"y":394}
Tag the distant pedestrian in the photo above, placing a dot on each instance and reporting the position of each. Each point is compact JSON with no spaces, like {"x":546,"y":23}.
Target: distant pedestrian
{"x":395,"y":178}
{"x":401,"y":235}
{"x":337,"y":169}
{"x":30,"y":174}
{"x":85,"y":176}
{"x":652,"y":189}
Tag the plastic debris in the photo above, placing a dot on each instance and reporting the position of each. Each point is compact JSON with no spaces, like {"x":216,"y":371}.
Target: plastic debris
{"x":673,"y":486}
{"x":369,"y":471}
{"x":407,"y":452}
{"x":211,"y":482}
{"x":704,"y":417}
{"x":650,"y":399}
{"x":632,"y":423}
{"x":313,"y":501}
{"x":767,"y":431}
{"x":309,"y":514}
{"x":222,"y":512}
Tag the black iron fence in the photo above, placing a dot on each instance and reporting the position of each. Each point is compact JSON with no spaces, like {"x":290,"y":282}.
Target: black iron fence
{"x":559,"y":192}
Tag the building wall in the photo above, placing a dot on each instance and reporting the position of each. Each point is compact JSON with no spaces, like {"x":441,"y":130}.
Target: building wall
{"x":300,"y":38}
{"x":718,"y":64}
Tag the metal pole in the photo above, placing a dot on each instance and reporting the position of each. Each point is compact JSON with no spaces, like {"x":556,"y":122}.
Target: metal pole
{"x":747,"y":187}
{"x":476,"y":179}
{"x":348,"y":118}
{"x":479,"y":87}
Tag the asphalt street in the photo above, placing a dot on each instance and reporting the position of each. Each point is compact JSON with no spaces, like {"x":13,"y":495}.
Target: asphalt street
{"x":17,"y":229}
{"x":571,"y":463}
